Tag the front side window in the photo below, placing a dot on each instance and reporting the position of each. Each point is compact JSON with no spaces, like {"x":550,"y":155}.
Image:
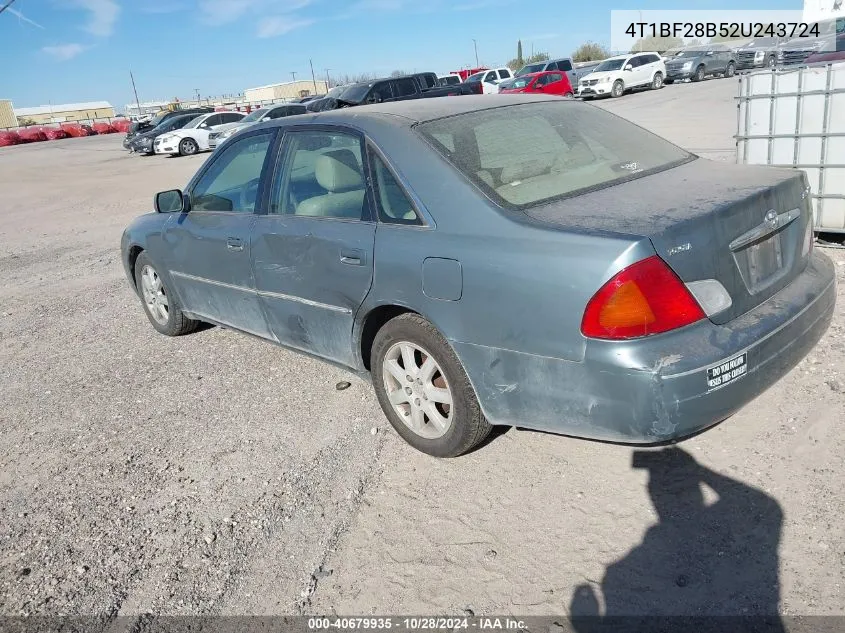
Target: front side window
{"x":231,"y":182}
{"x":491,"y":76}
{"x":504,"y":74}
{"x":380,"y":92}
{"x":322,"y":176}
{"x":527,"y":154}
{"x":393,"y":204}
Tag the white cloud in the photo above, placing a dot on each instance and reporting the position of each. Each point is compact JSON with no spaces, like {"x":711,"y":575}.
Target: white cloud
{"x":64,"y":52}
{"x":22,"y":17}
{"x":162,"y":6}
{"x":219,"y":12}
{"x":279,"y":25}
{"x":103,"y":15}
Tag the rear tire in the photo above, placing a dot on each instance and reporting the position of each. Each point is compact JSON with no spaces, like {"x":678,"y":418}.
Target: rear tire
{"x":188,"y":147}
{"x":161,"y":306}
{"x":617,"y":89}
{"x":423,"y":388}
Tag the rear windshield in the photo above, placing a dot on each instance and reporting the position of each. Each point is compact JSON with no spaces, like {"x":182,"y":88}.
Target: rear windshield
{"x":527,"y":154}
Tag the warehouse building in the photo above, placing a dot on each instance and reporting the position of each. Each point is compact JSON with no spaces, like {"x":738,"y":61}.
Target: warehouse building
{"x":7,"y":114}
{"x":287,"y":90}
{"x":66,"y":112}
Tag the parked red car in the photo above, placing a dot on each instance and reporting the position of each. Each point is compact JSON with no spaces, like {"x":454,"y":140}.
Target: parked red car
{"x":549,"y":82}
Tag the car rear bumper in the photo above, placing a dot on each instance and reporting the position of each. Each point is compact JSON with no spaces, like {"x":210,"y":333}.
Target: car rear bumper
{"x":657,"y":389}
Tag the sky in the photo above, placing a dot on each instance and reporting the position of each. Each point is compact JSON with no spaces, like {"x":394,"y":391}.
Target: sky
{"x":67,"y":51}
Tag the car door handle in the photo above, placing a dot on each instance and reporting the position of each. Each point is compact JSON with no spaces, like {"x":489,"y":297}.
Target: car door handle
{"x":352,"y":256}
{"x":234,"y":244}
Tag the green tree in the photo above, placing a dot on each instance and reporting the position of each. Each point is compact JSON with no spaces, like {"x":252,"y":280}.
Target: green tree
{"x":656,"y":44}
{"x":519,"y":52}
{"x":589,"y":52}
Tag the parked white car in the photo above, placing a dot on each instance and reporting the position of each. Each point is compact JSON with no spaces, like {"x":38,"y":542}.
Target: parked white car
{"x":490,"y":78}
{"x":193,"y":137}
{"x":617,"y":74}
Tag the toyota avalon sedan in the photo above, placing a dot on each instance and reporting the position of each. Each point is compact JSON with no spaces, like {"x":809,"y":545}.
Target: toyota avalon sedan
{"x":516,"y":261}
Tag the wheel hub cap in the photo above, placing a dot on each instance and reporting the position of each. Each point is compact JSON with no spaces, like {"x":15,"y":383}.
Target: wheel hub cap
{"x":154,"y":295}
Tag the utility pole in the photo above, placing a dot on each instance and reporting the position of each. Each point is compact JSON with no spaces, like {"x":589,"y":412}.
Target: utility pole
{"x":313,"y":78}
{"x":6,"y":6}
{"x":293,"y":74}
{"x":137,"y":102}
{"x":197,"y":90}
{"x":475,"y":46}
{"x":327,"y":77}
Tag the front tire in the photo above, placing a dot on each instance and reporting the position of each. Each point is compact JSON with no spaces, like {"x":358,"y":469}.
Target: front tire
{"x":699,"y":74}
{"x":161,"y":306}
{"x":731,"y":70}
{"x":188,"y":147}
{"x":423,"y":388}
{"x":617,"y":89}
{"x":657,"y":81}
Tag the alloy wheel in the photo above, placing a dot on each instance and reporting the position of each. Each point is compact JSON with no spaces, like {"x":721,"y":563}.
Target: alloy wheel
{"x":155,"y":296}
{"x":417,"y":389}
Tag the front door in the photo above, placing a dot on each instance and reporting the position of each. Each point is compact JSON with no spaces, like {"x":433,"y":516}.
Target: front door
{"x":312,"y":253}
{"x":209,"y":246}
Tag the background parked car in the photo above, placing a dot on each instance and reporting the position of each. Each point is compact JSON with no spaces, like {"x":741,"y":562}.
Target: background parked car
{"x":697,"y":62}
{"x":143,"y":143}
{"x":551,"y":83}
{"x":488,"y":79}
{"x":449,"y":80}
{"x":145,"y":125}
{"x":193,"y":137}
{"x":830,"y":56}
{"x":389,"y":89}
{"x":759,"y":53}
{"x":573,"y":71}
{"x":227,"y":130}
{"x":617,"y":74}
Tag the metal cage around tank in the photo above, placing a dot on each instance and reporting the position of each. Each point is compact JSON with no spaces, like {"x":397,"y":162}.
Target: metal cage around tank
{"x":796,"y":118}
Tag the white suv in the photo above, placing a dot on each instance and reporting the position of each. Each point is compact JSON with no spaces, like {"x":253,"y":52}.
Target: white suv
{"x":617,"y":74}
{"x":490,"y":78}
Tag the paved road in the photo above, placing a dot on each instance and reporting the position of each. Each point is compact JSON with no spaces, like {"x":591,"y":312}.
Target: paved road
{"x":218,"y":474}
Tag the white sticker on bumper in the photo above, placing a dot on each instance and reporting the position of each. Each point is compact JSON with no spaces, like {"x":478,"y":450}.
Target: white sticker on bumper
{"x":727,"y":372}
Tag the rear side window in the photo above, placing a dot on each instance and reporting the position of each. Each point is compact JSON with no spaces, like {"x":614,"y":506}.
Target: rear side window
{"x":554,"y":77}
{"x":565,"y":65}
{"x":504,"y":74}
{"x":527,"y":154}
{"x":404,"y":87}
{"x":394,"y":206}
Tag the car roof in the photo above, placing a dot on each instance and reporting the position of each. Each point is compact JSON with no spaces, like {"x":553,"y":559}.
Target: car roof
{"x":411,"y":111}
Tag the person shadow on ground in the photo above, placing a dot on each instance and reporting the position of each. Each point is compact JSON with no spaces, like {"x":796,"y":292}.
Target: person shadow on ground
{"x":704,"y":557}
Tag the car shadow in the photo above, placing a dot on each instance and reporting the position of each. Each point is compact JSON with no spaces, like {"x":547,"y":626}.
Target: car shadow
{"x":713,"y":552}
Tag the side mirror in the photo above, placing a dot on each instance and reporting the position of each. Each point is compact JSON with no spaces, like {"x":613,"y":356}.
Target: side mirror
{"x":629,"y":67}
{"x":169,"y":201}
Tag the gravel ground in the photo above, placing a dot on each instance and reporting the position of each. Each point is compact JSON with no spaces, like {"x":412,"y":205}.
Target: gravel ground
{"x":218,"y":474}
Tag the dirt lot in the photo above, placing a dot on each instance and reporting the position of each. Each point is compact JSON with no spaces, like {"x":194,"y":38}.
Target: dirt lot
{"x":218,"y":474}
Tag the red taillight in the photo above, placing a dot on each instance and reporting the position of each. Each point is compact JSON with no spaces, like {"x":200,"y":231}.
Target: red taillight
{"x":644,"y":298}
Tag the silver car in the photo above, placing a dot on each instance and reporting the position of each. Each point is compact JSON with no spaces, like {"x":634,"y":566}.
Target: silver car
{"x":223,"y":132}
{"x":517,"y":261}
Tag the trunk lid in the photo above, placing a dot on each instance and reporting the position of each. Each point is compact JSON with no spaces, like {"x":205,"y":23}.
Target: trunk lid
{"x":742,"y":225}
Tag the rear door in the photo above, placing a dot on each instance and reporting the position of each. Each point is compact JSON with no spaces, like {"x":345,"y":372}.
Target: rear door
{"x":312,"y":252}
{"x":556,"y":84}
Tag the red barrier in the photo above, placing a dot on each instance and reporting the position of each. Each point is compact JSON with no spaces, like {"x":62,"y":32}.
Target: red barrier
{"x":54,"y":133}
{"x":31,"y":134}
{"x":77,"y":130}
{"x":9,"y":138}
{"x":121,"y":125}
{"x":103,"y":128}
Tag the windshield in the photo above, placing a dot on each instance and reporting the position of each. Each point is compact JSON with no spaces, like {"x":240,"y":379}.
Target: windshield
{"x":531,"y":68}
{"x":515,"y":84}
{"x":690,"y":54}
{"x":610,"y":64}
{"x":354,"y":94}
{"x":476,"y":76}
{"x":255,"y":115}
{"x":158,"y":117}
{"x":334,"y":92}
{"x":527,"y":154}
